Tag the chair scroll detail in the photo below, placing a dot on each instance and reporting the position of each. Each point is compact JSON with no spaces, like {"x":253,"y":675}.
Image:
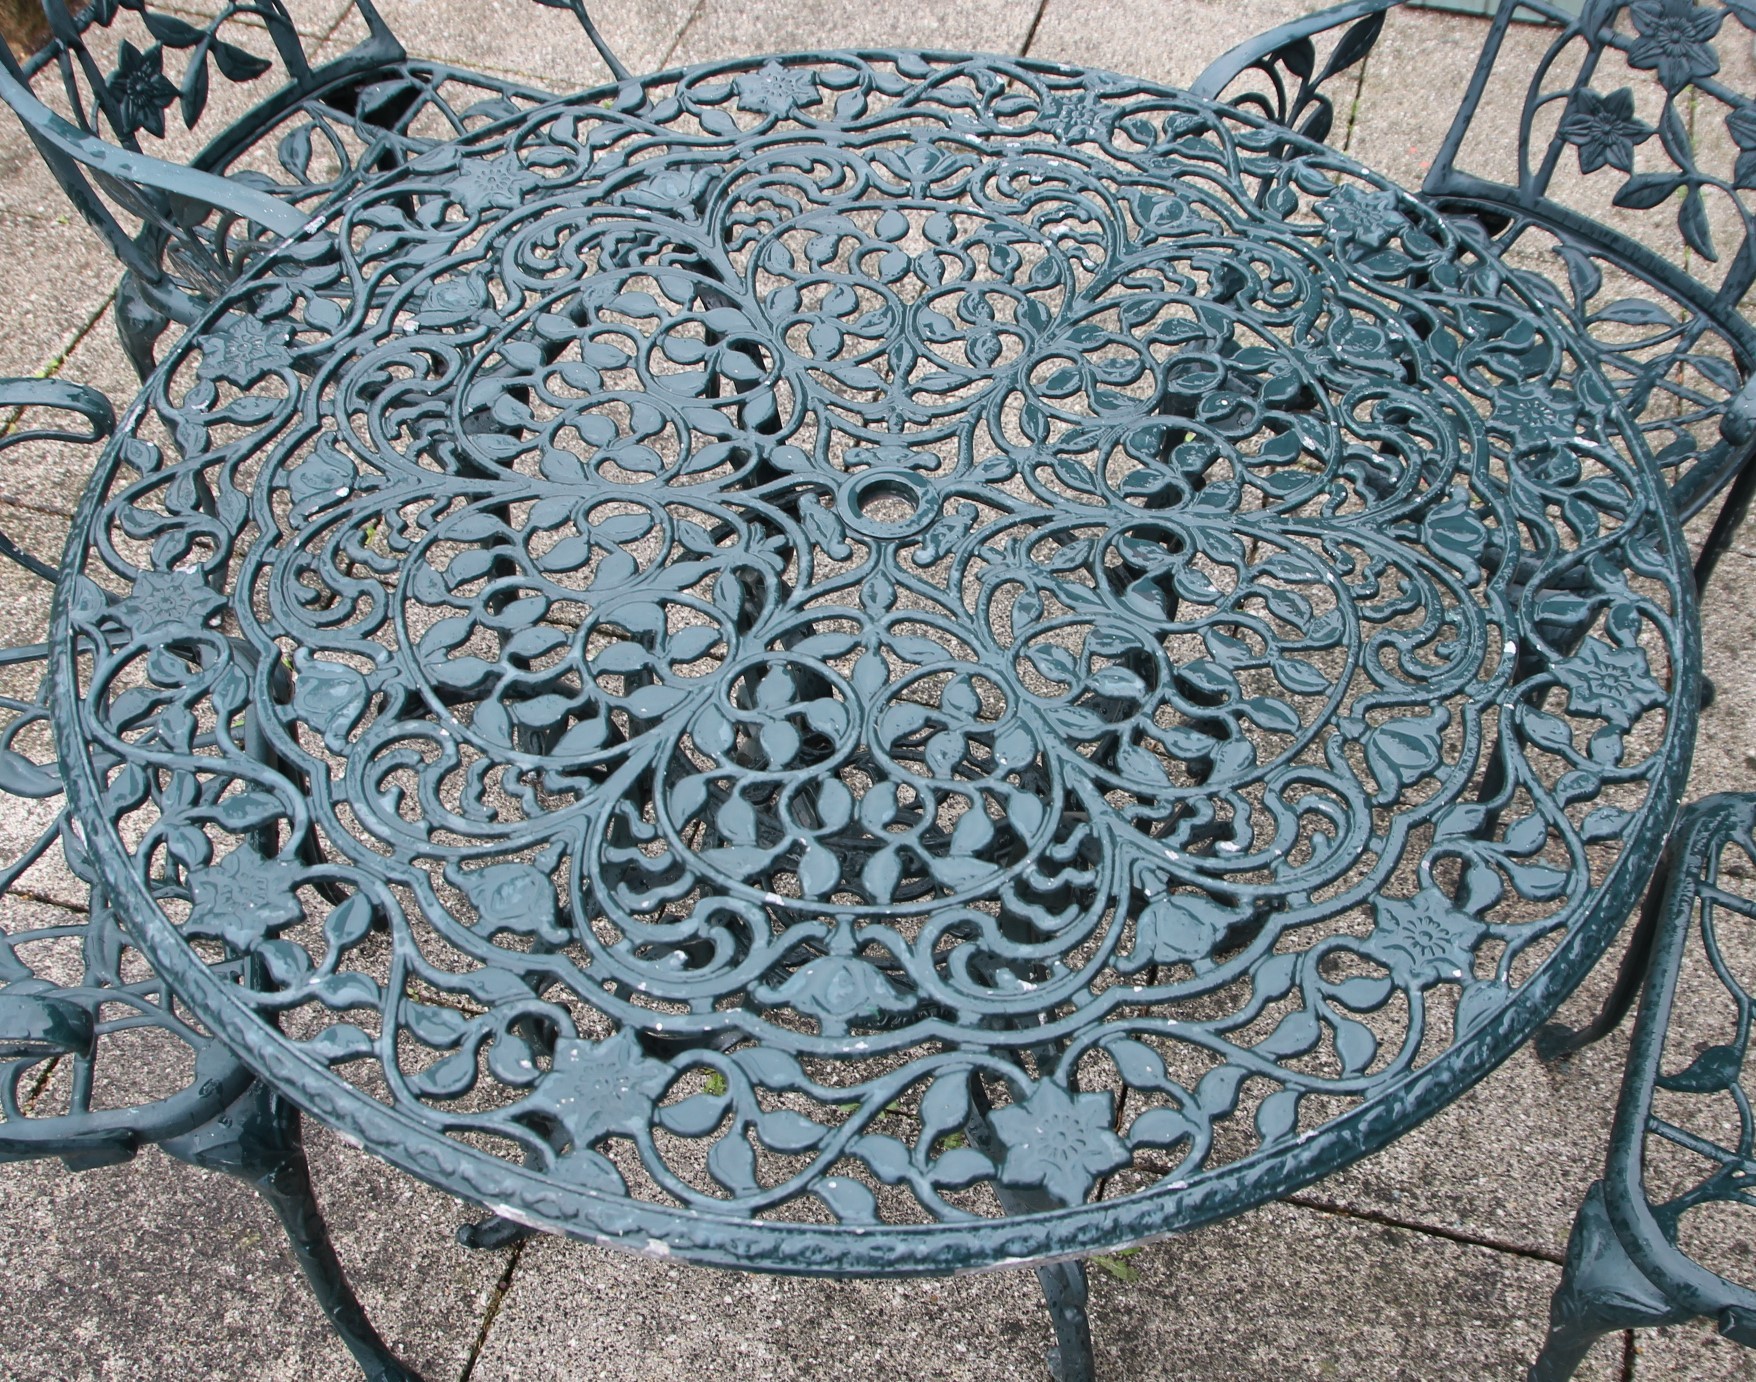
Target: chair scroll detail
{"x":1287,"y":58}
{"x":1633,"y":93}
{"x":97,"y":1056}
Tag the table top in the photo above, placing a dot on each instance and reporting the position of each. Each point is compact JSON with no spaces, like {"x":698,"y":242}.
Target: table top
{"x":876,"y":663}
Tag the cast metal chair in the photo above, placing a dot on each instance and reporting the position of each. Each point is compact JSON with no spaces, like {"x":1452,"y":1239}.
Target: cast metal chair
{"x":182,"y":232}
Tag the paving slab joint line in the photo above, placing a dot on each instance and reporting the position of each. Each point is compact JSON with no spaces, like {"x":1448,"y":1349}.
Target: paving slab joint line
{"x":1030,"y":34}
{"x":1373,"y":1216}
{"x":498,"y":1295}
{"x":202,"y":17}
{"x":681,"y":34}
{"x":1353,"y":108}
{"x":524,"y":75}
{"x":12,"y":501}
{"x":32,"y":895}
{"x":48,"y":1071}
{"x":39,"y":1085}
{"x":341,"y":14}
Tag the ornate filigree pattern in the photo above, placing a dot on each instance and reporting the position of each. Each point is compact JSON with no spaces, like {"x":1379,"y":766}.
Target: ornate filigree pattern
{"x":79,"y":1008}
{"x":1680,"y":153}
{"x":310,"y":138}
{"x":810,"y":619}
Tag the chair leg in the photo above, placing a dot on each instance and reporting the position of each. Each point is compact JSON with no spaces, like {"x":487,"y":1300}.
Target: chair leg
{"x":1601,"y":1292}
{"x":257,"y":1140}
{"x":1555,"y":1040}
{"x":1065,"y":1290}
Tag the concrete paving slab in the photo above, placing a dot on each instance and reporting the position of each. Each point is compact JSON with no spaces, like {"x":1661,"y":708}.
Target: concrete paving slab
{"x":738,"y":28}
{"x":156,"y":1270}
{"x":1725,"y":749}
{"x":1399,"y":123}
{"x":26,"y":187}
{"x":55,"y":276}
{"x":543,"y":45}
{"x":1234,"y":1301}
{"x":1692,"y":1352}
{"x":315,"y":17}
{"x":41,"y":482}
{"x":1509,"y":1161}
{"x":1142,"y":39}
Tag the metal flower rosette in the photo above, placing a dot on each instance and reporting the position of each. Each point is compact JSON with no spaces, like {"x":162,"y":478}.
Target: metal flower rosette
{"x":876,"y":664}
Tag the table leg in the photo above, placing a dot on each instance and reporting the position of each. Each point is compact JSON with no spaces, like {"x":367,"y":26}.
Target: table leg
{"x":1554,"y":1040}
{"x":257,"y":1140}
{"x":139,"y":324}
{"x":1066,"y":1291}
{"x":1065,"y":1287}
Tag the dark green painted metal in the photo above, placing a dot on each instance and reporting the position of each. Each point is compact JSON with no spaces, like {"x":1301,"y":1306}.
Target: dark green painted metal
{"x":1288,"y":85}
{"x":71,"y":1047}
{"x":1626,"y":1267}
{"x":1682,"y":363}
{"x":848,"y":641}
{"x":199,"y":223}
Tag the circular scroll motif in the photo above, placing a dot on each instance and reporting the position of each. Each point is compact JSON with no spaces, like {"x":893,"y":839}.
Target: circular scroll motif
{"x":878,"y":643}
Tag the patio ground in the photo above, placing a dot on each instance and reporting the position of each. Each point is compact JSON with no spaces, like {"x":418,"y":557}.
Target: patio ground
{"x":1433,"y":1259}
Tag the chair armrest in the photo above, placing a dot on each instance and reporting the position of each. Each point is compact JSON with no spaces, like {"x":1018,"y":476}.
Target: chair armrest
{"x":1291,"y":49}
{"x":55,"y":393}
{"x":39,"y":1024}
{"x":108,"y":160}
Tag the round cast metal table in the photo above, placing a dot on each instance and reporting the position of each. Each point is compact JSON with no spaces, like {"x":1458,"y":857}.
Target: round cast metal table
{"x":876,"y":663}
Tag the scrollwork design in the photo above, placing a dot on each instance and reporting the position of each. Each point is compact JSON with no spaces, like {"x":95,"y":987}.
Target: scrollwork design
{"x":308,"y":141}
{"x":809,"y":619}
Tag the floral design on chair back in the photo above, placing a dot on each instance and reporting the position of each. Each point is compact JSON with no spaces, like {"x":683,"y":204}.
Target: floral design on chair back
{"x":1637,"y":131}
{"x":137,"y":78}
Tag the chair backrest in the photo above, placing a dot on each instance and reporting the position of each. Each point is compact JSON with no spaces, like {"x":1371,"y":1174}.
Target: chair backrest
{"x":1629,"y":180}
{"x":105,"y":69}
{"x":111,"y":98}
{"x":1278,"y":75}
